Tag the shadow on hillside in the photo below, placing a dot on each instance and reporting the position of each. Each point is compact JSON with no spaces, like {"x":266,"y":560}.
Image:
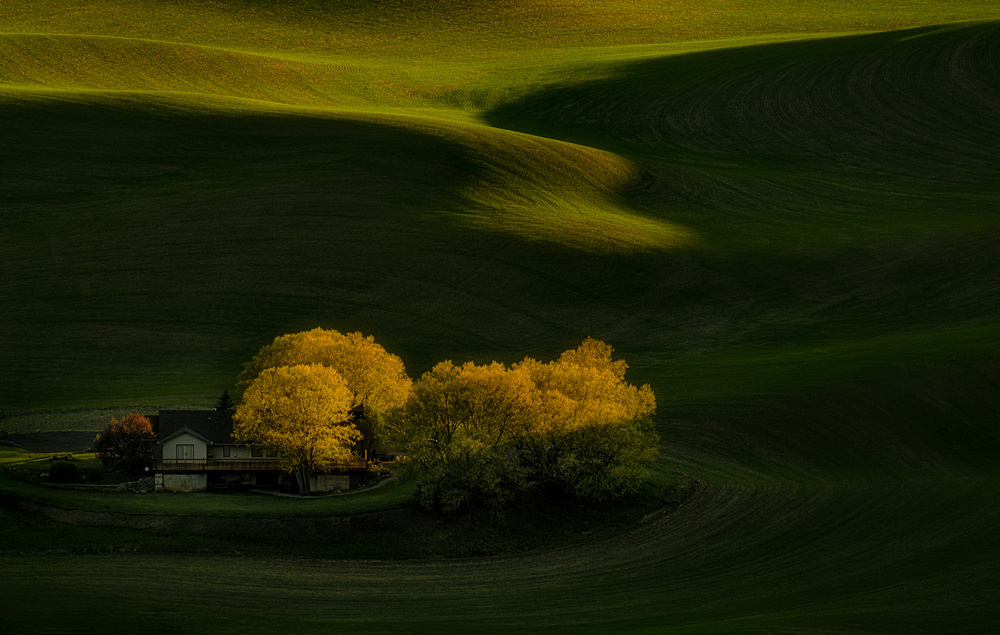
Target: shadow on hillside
{"x":52,"y":441}
{"x":906,"y":103}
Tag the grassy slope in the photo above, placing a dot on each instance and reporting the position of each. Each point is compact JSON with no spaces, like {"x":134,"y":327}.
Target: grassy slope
{"x":794,"y":243}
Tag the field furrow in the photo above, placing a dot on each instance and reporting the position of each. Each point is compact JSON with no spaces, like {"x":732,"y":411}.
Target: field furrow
{"x":785,"y":217}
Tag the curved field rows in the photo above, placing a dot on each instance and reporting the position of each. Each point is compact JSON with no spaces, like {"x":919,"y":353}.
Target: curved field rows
{"x":731,"y":559}
{"x":78,"y":62}
{"x":117,"y":64}
{"x":351,"y":199}
{"x":873,"y":133}
{"x":874,"y":99}
{"x":435,"y":29}
{"x":795,"y":244}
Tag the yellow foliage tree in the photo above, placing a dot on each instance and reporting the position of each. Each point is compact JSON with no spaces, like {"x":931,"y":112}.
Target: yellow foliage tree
{"x":302,"y":412}
{"x":584,"y":388}
{"x":592,"y":432}
{"x":458,"y":428}
{"x":479,"y":432}
{"x":376,"y":378}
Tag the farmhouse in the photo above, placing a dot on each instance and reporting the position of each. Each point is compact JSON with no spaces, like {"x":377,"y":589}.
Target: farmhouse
{"x":195,"y":451}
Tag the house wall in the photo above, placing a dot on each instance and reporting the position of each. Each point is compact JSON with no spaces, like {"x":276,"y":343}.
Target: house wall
{"x":235,"y":452}
{"x":170,"y":446}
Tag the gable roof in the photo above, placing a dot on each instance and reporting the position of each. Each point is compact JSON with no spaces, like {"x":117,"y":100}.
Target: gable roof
{"x":213,"y":426}
{"x":186,"y":430}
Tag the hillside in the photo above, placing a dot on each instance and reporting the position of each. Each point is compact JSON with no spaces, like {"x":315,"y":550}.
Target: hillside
{"x":784,"y":217}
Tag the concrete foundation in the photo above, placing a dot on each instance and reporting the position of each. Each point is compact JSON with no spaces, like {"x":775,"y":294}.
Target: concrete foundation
{"x":330,"y":482}
{"x":181,"y":482}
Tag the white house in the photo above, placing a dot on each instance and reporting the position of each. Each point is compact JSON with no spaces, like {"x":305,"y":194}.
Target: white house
{"x":195,"y":451}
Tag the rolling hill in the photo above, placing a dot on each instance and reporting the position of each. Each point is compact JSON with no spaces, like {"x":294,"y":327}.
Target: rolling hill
{"x":784,"y":217}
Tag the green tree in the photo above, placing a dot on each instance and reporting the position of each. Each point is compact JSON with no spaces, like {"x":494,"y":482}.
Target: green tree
{"x":225,"y":402}
{"x":63,"y":472}
{"x":303,"y":413}
{"x":126,"y":445}
{"x":459,"y":431}
{"x":602,"y":462}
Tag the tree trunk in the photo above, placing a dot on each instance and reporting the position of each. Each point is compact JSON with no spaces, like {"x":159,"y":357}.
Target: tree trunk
{"x":303,"y":478}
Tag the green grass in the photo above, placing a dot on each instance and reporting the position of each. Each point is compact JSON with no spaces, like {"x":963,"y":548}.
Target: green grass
{"x":730,"y":560}
{"x":389,"y":496}
{"x":82,"y":420}
{"x":783,"y":215}
{"x":209,"y":505}
{"x":449,"y":29}
{"x":42,"y":461}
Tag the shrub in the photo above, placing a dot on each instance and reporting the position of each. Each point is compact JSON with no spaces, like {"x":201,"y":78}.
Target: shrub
{"x":63,"y":472}
{"x":606,"y":462}
{"x":125,"y":445}
{"x":485,"y":477}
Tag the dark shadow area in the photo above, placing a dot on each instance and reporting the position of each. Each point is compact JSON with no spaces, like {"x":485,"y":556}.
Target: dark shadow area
{"x":52,"y":441}
{"x":905,"y":104}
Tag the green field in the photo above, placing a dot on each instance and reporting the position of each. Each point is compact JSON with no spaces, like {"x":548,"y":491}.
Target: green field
{"x":784,"y":215}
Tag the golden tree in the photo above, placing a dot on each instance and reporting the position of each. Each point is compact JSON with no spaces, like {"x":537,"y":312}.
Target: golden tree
{"x":481,"y":432}
{"x":459,"y":429}
{"x":301,"y":412}
{"x":585,"y":388}
{"x":375,"y":378}
{"x":593,"y":432}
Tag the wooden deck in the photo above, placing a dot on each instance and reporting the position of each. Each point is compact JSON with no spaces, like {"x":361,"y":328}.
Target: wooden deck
{"x":242,"y":465}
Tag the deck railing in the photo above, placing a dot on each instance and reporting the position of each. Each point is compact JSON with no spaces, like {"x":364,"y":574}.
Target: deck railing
{"x":241,"y":465}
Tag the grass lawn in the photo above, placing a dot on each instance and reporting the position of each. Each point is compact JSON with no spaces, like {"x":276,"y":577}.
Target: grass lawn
{"x":395,"y":494}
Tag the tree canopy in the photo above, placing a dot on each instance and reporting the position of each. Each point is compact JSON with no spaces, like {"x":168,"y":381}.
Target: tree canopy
{"x":125,"y":445}
{"x":457,"y":430}
{"x":478,"y":433}
{"x":302,"y":412}
{"x":375,"y":378}
{"x":475,"y":433}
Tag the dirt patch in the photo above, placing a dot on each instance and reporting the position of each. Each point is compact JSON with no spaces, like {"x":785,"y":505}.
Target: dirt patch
{"x":52,"y":441}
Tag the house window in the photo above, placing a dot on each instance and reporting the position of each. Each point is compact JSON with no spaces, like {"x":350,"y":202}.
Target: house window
{"x":256,"y":452}
{"x":225,"y":451}
{"x":185,"y":452}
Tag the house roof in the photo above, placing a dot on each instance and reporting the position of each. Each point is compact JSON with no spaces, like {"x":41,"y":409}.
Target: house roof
{"x":214,"y":426}
{"x":185,"y":430}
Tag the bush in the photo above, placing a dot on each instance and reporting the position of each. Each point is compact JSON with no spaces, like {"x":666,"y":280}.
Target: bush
{"x":486,"y":478}
{"x":126,"y":445}
{"x":606,"y":462}
{"x":63,"y":472}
